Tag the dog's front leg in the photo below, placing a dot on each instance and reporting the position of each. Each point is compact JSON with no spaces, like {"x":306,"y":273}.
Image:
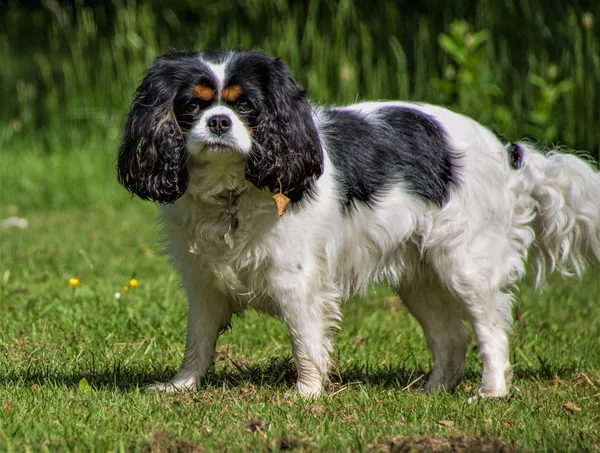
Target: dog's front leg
{"x":310,"y":312}
{"x":209,"y":311}
{"x":311,"y":352}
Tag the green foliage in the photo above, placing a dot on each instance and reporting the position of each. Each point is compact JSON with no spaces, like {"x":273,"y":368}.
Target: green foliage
{"x":546,"y":104}
{"x":69,"y":79}
{"x":468,"y":87}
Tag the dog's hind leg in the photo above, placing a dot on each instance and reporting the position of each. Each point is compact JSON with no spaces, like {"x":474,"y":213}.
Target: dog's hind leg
{"x":491,"y":318}
{"x":448,"y":339}
{"x":477,"y":284}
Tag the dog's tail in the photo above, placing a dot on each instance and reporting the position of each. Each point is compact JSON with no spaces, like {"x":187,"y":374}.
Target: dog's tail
{"x":566,"y":194}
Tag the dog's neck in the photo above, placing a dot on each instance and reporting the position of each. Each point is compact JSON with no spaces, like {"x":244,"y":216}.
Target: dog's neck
{"x":220,"y":204}
{"x":217,"y":178}
{"x":232,"y":200}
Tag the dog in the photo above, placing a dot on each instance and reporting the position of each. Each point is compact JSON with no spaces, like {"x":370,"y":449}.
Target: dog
{"x":411,"y":195}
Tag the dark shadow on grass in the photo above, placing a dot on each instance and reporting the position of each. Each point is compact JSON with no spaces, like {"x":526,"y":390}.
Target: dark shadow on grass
{"x":276,"y":373}
{"x":116,"y":377}
{"x":279,"y":372}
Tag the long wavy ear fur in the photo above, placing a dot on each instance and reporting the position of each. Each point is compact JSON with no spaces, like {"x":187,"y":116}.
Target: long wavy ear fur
{"x":152,"y":156}
{"x":287,"y":154}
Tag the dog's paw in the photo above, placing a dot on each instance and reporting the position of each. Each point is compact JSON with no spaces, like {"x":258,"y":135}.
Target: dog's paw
{"x":492,"y":393}
{"x":172,"y":386}
{"x":310,"y":389}
{"x":488,"y":394}
{"x":496,"y":388}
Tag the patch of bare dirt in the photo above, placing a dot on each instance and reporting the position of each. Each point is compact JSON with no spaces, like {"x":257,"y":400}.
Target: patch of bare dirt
{"x":162,"y":442}
{"x":455,"y":444}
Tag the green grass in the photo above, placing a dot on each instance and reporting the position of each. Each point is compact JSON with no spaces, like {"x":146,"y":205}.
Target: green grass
{"x":82,"y":225}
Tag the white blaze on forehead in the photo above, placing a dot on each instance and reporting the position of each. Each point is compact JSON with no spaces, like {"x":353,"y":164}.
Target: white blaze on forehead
{"x":218,"y":70}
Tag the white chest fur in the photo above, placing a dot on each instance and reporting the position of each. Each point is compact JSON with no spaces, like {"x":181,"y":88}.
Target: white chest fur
{"x":201,"y":233}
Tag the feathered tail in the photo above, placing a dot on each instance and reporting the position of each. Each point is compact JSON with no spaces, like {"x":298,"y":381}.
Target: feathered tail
{"x":566,"y":190}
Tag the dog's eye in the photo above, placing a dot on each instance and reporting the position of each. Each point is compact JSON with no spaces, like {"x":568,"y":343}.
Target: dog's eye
{"x":243,"y":107}
{"x":192,"y":107}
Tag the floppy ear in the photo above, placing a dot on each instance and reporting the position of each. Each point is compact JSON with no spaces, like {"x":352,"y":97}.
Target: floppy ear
{"x":152,"y":156}
{"x":287,"y":153}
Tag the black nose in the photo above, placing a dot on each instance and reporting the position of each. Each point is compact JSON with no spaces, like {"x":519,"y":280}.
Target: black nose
{"x":219,"y":124}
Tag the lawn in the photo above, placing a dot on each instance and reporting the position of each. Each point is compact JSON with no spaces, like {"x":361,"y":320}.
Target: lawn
{"x":74,"y":360}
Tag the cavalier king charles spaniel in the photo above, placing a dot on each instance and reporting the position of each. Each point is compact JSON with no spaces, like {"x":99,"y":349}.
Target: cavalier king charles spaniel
{"x":415,"y":196}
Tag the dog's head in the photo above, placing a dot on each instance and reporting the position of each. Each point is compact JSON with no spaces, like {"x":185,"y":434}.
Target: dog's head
{"x":190,"y":104}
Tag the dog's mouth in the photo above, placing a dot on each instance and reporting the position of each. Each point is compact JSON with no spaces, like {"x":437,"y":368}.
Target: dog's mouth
{"x":213,"y":145}
{"x":226,"y":194}
{"x":217,"y":147}
{"x":230,"y":197}
{"x":220,"y":146}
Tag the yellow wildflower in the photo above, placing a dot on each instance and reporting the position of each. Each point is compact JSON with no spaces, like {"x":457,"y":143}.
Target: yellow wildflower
{"x":74,"y":282}
{"x":133,"y":283}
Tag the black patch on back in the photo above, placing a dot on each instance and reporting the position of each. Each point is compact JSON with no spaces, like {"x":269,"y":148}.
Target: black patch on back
{"x":392,"y":145}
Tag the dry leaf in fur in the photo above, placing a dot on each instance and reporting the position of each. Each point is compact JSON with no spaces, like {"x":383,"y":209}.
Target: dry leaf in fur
{"x":281,"y":201}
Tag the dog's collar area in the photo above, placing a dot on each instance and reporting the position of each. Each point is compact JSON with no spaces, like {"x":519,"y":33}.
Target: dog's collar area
{"x":232,"y":198}
{"x":223,"y":195}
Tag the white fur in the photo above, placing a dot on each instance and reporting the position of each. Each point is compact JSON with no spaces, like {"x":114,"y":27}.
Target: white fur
{"x":218,"y":71}
{"x":450,"y":264}
{"x":236,"y":138}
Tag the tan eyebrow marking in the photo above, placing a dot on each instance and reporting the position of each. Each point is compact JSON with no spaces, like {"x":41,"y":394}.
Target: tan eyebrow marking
{"x":232,"y":93}
{"x":204,"y":93}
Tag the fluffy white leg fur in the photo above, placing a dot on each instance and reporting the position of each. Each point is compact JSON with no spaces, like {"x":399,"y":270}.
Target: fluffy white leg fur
{"x":207,"y":314}
{"x":311,"y":346}
{"x":447,"y":338}
{"x":491,"y":332}
{"x":310,"y":309}
{"x":209,"y":311}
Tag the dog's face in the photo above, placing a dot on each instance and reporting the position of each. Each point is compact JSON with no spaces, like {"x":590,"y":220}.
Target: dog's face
{"x":208,"y":103}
